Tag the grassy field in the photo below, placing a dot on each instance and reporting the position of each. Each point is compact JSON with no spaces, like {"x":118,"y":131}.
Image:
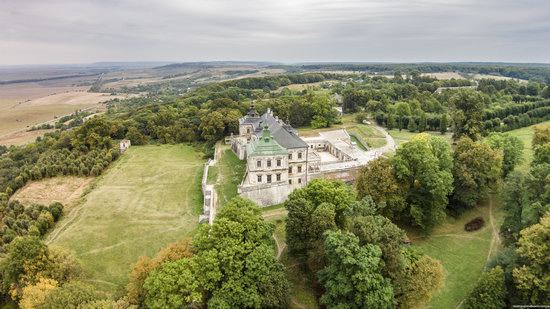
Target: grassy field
{"x":230,"y":172}
{"x":526,"y":136}
{"x":149,"y":198}
{"x":463,"y":254}
{"x":66,"y":190}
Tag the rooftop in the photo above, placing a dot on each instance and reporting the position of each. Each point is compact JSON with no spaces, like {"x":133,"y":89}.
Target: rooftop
{"x":265,"y":145}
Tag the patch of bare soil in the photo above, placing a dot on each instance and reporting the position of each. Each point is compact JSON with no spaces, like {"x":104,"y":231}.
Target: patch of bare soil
{"x":66,"y":190}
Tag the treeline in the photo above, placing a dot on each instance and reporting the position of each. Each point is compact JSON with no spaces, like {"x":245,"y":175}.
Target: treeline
{"x":520,"y":71}
{"x":85,"y":151}
{"x":358,"y":257}
{"x":518,"y":274}
{"x":404,"y":103}
{"x":19,"y":220}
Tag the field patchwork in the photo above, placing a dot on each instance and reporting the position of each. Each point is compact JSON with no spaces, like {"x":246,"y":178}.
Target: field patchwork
{"x":149,"y":198}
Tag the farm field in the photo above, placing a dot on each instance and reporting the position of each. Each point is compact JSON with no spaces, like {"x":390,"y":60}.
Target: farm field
{"x":17,"y":116}
{"x":149,"y":198}
{"x":66,"y":189}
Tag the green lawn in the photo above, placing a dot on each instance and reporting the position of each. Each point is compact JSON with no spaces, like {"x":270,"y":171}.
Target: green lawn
{"x":463,"y":254}
{"x":526,"y":136}
{"x":230,"y":172}
{"x":149,"y":198}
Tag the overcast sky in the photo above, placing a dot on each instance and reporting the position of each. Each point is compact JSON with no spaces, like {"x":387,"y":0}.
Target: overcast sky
{"x":84,"y":31}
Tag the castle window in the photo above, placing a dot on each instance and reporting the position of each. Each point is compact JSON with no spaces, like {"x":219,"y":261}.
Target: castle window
{"x":299,"y":180}
{"x":258,"y":163}
{"x":278,"y":177}
{"x":290,"y":170}
{"x":259,"y":178}
{"x":290,"y":181}
{"x":278,"y":162}
{"x":268,"y":163}
{"x":290,"y":156}
{"x":299,"y":155}
{"x":248,"y":131}
{"x":299,"y":169}
{"x":268,"y":178}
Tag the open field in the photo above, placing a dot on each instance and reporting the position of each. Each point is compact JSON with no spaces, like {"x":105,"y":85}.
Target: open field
{"x":149,"y":198}
{"x":66,"y":190}
{"x":228,"y":172}
{"x":17,"y":118}
{"x":22,"y":115}
{"x":463,"y":254}
{"x":526,"y":136}
{"x":444,"y":75}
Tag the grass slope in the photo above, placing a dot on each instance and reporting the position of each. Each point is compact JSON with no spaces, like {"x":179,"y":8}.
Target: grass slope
{"x":148,"y":199}
{"x":463,"y":254}
{"x":526,"y":136}
{"x":230,"y":172}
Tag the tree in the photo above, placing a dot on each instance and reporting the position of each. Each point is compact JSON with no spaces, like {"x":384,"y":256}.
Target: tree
{"x":443,"y":124}
{"x":377,"y":180}
{"x":531,"y":278}
{"x":489,"y":292}
{"x":511,"y":147}
{"x":35,"y":295}
{"x":412,"y":124}
{"x":26,"y":258}
{"x":380,"y":231}
{"x":402,"y":110}
{"x":135,"y":136}
{"x":352,"y":278}
{"x":236,"y":264}
{"x":71,"y":295}
{"x":422,"y":276}
{"x":173,"y":285}
{"x":467,"y":113}
{"x":541,"y":154}
{"x":145,"y":265}
{"x":474,"y":177}
{"x":306,"y":222}
{"x":541,"y":135}
{"x":424,"y":166}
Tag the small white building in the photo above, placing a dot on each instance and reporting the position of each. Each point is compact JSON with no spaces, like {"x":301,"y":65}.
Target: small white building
{"x":123,"y":145}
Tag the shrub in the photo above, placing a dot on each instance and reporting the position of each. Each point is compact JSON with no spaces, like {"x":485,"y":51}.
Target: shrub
{"x":474,"y":224}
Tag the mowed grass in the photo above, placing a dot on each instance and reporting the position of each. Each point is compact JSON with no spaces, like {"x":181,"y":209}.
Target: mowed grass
{"x":463,"y":254}
{"x":230,"y":172}
{"x":149,"y":198}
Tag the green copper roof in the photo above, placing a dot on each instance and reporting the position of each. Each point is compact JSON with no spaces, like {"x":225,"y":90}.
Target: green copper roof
{"x":265,"y":145}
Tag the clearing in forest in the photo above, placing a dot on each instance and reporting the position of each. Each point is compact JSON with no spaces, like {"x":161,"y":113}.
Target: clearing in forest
{"x":463,"y":254}
{"x":149,"y":198}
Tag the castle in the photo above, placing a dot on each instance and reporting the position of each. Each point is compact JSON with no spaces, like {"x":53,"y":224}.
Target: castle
{"x":279,"y":161}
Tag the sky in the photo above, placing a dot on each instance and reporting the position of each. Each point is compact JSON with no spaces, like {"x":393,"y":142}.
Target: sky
{"x":289,"y":31}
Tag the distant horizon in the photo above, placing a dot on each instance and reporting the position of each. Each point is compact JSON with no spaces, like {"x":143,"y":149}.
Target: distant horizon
{"x":290,"y":63}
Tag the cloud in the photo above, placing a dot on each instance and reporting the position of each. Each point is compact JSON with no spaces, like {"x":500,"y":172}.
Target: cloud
{"x":77,"y":31}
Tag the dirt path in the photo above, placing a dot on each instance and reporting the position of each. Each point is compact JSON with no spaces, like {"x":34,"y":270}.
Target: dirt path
{"x":280,"y":247}
{"x":495,"y":240}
